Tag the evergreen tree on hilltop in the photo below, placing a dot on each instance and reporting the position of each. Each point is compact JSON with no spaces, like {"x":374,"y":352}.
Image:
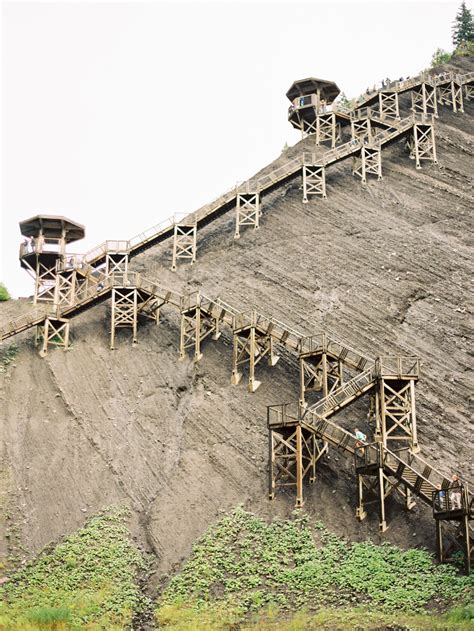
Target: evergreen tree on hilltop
{"x":463,"y":26}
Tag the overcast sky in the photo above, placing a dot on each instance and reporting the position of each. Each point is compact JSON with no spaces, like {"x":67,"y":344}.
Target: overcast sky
{"x":118,"y":115}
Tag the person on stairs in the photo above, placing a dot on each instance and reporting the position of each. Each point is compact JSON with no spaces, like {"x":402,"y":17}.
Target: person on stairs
{"x":360,"y":437}
{"x":455,"y":493}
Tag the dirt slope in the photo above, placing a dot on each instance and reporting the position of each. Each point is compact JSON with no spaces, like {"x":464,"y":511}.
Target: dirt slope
{"x":387,"y":267}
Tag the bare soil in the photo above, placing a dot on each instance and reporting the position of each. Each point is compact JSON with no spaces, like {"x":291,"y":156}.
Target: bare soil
{"x":387,"y":267}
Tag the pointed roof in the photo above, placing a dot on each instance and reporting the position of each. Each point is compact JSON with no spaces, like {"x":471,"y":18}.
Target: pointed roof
{"x":52,"y":226}
{"x":328,"y":89}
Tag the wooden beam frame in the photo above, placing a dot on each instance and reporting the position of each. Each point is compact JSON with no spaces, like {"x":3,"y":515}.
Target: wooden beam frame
{"x":451,"y":94}
{"x":247,"y":211}
{"x":250,"y":346}
{"x":396,"y":413}
{"x":293,"y":455}
{"x":361,"y":129}
{"x":424,"y":144}
{"x":388,"y":105}
{"x":424,"y":99}
{"x":368,"y":163}
{"x":314,"y":181}
{"x":66,"y":285}
{"x":124,"y":313}
{"x":196,"y":326}
{"x":53,"y":332}
{"x":327,"y":129}
{"x":319,"y":372}
{"x":116,"y":263}
{"x":184,"y":244}
{"x":462,"y":541}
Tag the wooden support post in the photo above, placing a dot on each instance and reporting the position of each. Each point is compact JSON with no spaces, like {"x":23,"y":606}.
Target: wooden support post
{"x":360,"y":510}
{"x":253,"y":383}
{"x":236,"y":353}
{"x":325,"y":374}
{"x":302,"y":399}
{"x":271,"y":465}
{"x":184,"y":244}
{"x":381,"y":482}
{"x":314,"y":457}
{"x":299,"y":468}
{"x":467,"y":544}
{"x":439,"y":541}
{"x":414,"y":432}
{"x":314,"y":181}
{"x":409,"y":501}
{"x":247,"y":211}
{"x":456,"y":98}
{"x":197,"y":333}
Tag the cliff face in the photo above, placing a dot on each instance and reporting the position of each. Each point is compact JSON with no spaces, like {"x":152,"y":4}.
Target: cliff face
{"x":387,"y":267}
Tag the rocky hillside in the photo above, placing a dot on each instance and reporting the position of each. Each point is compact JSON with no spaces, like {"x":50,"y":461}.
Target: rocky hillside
{"x":386,"y":266}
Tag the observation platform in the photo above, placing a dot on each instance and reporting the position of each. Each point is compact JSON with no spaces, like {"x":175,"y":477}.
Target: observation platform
{"x":313,"y":111}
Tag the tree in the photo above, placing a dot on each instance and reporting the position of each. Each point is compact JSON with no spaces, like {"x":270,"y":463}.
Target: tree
{"x":440,"y":56}
{"x":344,"y":101}
{"x":463,"y":26}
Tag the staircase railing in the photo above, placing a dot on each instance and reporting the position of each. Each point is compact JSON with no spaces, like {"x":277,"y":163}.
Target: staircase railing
{"x":343,"y":395}
{"x":23,"y":322}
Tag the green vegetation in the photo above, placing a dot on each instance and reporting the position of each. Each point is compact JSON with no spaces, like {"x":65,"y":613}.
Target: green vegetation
{"x":344,"y":101}
{"x":440,"y":56}
{"x":462,"y":36}
{"x":463,"y":27}
{"x":4,"y":295}
{"x":242,"y":566}
{"x":219,"y":618}
{"x":87,"y":581}
{"x":7,"y":355}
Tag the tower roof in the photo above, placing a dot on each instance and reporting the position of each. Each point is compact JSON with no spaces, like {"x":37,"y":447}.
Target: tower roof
{"x":52,"y":226}
{"x":327,"y":89}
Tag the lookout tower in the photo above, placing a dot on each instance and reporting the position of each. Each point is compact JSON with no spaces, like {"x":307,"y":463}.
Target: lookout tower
{"x":46,"y":237}
{"x":313,"y":109}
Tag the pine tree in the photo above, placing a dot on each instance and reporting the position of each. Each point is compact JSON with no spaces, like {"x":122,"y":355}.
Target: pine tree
{"x":463,"y":26}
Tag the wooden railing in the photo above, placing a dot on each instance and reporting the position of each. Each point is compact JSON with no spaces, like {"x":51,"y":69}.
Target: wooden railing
{"x":342,"y":395}
{"x":24,"y":322}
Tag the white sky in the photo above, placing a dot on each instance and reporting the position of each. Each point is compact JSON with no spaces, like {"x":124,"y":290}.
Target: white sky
{"x":118,"y":115}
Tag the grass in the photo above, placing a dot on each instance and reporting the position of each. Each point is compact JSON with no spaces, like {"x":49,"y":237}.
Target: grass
{"x":89,"y":580}
{"x":242,"y":566}
{"x":181,"y":617}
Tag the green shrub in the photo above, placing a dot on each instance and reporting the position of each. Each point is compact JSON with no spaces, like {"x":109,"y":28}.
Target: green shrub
{"x":89,"y":580}
{"x":245,"y":563}
{"x":4,"y":295}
